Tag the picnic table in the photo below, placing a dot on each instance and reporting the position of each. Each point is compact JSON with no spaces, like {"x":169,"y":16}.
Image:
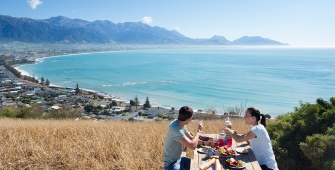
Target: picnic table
{"x":248,"y":158}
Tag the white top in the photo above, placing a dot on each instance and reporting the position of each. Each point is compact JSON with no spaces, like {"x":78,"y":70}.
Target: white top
{"x":262,"y":148}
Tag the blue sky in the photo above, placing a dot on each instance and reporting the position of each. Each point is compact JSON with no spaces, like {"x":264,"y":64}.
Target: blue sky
{"x":297,"y":22}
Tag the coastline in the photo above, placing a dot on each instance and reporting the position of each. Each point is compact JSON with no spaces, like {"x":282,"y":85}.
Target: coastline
{"x":38,"y":60}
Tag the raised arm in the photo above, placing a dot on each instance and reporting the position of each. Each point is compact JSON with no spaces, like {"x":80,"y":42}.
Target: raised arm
{"x":191,"y":141}
{"x":189,"y":135}
{"x":240,"y":138}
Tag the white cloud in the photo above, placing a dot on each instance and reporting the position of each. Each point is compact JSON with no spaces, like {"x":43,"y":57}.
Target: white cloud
{"x":74,"y":11}
{"x":33,"y":3}
{"x":176,"y":28}
{"x":147,"y":20}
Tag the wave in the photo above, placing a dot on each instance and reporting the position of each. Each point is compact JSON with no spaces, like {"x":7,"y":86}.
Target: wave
{"x":24,"y":73}
{"x":124,"y":84}
{"x":110,"y":85}
{"x":128,"y":84}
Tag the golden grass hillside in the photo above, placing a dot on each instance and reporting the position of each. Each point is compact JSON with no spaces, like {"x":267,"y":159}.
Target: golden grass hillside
{"x":68,"y":144}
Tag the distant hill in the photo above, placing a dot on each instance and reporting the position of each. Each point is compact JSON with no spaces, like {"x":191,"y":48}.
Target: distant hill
{"x":218,"y":40}
{"x":255,"y":40}
{"x":65,"y":30}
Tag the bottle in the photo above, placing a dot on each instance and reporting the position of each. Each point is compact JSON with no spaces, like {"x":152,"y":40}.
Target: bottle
{"x":228,"y":139}
{"x":221,"y":138}
{"x":228,"y":123}
{"x":209,"y":153}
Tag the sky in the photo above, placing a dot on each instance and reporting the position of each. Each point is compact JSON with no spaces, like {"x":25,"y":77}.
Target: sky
{"x":296,"y":22}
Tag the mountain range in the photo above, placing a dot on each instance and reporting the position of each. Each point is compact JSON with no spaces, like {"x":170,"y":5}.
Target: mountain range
{"x":61,"y":29}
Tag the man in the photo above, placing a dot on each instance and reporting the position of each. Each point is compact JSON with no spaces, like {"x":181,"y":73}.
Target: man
{"x":179,"y":137}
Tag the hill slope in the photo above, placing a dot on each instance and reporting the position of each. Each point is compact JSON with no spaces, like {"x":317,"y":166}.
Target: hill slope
{"x":65,"y":30}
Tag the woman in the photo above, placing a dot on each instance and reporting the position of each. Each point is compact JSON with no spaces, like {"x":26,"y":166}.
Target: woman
{"x":259,"y":139}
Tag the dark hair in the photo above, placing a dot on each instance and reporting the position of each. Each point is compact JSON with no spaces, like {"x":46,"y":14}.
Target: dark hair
{"x":185,"y":113}
{"x":255,"y":112}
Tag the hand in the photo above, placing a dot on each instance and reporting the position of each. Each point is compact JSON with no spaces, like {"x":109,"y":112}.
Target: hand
{"x":228,"y":131}
{"x":200,"y":127}
{"x":210,"y":142}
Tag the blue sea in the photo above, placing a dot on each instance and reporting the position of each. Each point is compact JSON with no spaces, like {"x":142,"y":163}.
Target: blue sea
{"x":272,"y":79}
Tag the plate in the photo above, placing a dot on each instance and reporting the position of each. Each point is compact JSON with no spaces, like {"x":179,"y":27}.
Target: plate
{"x":241,"y":150}
{"x":234,"y":167}
{"x":227,"y":156}
{"x":202,"y":150}
{"x":218,"y":153}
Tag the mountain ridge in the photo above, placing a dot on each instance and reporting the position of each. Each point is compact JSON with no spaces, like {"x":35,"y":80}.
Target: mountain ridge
{"x":61,"y":29}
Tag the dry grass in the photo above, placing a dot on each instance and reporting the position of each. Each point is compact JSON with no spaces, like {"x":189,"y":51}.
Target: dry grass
{"x":67,"y":144}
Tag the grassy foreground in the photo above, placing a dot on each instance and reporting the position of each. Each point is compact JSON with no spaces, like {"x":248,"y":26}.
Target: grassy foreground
{"x":68,"y":144}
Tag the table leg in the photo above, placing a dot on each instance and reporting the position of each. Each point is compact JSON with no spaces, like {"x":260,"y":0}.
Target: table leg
{"x":198,"y":160}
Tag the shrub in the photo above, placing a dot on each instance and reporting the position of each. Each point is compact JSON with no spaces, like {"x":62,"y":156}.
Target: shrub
{"x":34,"y":112}
{"x":299,"y":138}
{"x":320,"y":149}
{"x":8,"y":112}
{"x":64,"y":113}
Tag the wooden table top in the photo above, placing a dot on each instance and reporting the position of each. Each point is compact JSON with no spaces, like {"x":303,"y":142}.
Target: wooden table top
{"x":248,"y":158}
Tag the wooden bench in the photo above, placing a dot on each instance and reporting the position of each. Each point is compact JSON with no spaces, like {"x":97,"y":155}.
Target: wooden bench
{"x":248,"y":158}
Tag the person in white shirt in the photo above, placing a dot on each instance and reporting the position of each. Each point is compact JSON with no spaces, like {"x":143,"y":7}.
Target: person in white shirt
{"x":259,"y":139}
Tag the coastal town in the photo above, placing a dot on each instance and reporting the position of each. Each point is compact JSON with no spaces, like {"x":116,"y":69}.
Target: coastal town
{"x":18,"y":90}
{"x":18,"y":93}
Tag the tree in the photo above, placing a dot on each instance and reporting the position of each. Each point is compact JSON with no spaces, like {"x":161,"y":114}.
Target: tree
{"x":132,"y":103}
{"x":136,"y":102}
{"x":42,"y":80}
{"x":319,"y":148}
{"x":77,"y":89}
{"x":47,"y":82}
{"x":130,"y":109}
{"x":305,"y":138}
{"x":88,"y":108}
{"x":267,"y":116}
{"x":114,"y":103}
{"x":147,"y":103}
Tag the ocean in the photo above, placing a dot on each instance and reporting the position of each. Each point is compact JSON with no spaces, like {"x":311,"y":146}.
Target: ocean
{"x":272,"y":79}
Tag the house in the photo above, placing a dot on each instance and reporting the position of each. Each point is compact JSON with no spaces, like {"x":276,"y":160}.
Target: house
{"x":3,"y":90}
{"x":118,"y":109}
{"x":18,"y":88}
{"x":14,"y":92}
{"x":39,"y":100}
{"x":18,"y":84}
{"x":62,"y":97}
{"x":55,"y":107}
{"x":153,"y":113}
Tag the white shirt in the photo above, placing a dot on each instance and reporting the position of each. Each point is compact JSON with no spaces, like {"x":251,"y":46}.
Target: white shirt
{"x":262,"y":148}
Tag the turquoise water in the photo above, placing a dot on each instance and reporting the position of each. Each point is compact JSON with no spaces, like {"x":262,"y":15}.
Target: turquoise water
{"x":271,"y":79}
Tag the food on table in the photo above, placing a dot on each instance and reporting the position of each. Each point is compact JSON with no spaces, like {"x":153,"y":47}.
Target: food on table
{"x":224,"y":150}
{"x":233,"y":162}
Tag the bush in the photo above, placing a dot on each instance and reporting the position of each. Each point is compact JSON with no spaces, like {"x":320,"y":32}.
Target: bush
{"x":300,"y":139}
{"x":34,"y":112}
{"x":64,"y":113}
{"x":8,"y":112}
{"x":320,"y":149}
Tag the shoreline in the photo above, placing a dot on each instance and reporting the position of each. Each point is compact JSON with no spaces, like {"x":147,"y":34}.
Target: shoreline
{"x":38,"y":60}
